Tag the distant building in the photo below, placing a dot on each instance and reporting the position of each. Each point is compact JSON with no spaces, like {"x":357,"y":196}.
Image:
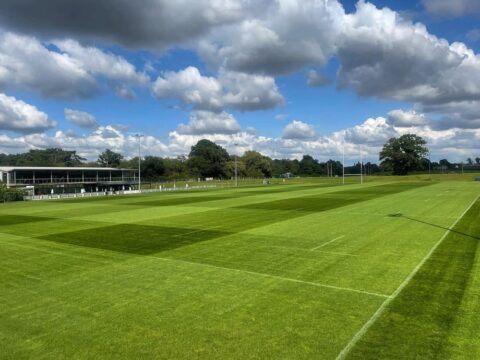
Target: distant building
{"x":48,"y":180}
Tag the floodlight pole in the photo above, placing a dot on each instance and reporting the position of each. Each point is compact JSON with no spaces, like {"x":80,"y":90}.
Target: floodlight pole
{"x":139,"y":136}
{"x":236,"y":169}
{"x":429,"y":165}
{"x":361,"y":165}
{"x":343,"y":160}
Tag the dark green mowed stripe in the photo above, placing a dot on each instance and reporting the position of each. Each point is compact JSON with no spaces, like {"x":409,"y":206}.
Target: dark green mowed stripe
{"x":6,"y":220}
{"x":418,"y":322}
{"x":134,"y":239}
{"x":336,"y":199}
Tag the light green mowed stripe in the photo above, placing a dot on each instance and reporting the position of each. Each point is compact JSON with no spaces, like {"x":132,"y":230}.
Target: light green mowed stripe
{"x":59,"y":299}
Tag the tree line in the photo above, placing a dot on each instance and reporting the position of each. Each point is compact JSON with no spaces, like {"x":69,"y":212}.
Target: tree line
{"x":206,"y":159}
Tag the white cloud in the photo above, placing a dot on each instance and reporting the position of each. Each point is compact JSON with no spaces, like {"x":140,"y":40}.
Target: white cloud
{"x":114,"y":68}
{"x":285,"y":36}
{"x":207,"y":122}
{"x":68,"y":74}
{"x":401,"y":118}
{"x":452,"y":8}
{"x":231,"y":89}
{"x":298,"y":130}
{"x":190,"y":87}
{"x":16,"y":115}
{"x":385,"y":56}
{"x":368,"y":137}
{"x":250,"y":92}
{"x":80,"y":118}
{"x":27,"y":65}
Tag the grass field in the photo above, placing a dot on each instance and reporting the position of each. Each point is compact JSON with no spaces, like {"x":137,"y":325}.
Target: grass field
{"x":303,"y":270}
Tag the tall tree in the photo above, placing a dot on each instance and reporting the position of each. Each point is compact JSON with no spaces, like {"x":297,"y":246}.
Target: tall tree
{"x":309,"y":166}
{"x":403,"y":154}
{"x":109,"y":158}
{"x":207,"y":159}
{"x":152,"y":167}
{"x":477,"y":160}
{"x":257,"y":165}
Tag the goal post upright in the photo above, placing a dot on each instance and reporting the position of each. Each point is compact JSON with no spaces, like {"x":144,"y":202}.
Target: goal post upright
{"x":343,"y":160}
{"x":361,"y":165}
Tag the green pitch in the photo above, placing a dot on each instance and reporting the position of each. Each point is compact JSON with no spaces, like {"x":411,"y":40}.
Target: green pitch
{"x":288,"y":271}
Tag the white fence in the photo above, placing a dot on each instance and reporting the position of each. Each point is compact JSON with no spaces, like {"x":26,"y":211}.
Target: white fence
{"x":115,"y":193}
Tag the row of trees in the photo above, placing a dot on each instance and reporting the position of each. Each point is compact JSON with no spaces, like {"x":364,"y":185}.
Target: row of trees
{"x":207,"y":159}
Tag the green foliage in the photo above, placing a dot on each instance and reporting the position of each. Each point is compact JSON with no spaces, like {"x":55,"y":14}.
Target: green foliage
{"x":152,"y":168}
{"x":309,"y":166}
{"x":207,"y":159}
{"x":10,"y":194}
{"x":109,"y":158}
{"x":403,"y":154}
{"x":47,"y":157}
{"x":257,"y":165}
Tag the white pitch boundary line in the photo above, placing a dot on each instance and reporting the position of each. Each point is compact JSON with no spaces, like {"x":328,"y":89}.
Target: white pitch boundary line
{"x":270,"y":276}
{"x":328,"y":242}
{"x":392,"y":297}
{"x":308,"y":250}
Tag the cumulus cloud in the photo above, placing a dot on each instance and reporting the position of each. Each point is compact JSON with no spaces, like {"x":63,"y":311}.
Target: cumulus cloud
{"x":16,"y":115}
{"x":385,"y":56}
{"x":298,"y":130}
{"x":452,"y":8}
{"x":373,"y":132}
{"x":89,"y":145}
{"x":190,"y":87}
{"x":118,"y":71}
{"x":156,"y":24}
{"x":69,"y":73}
{"x":250,"y":92}
{"x":455,"y":144}
{"x":80,"y":118}
{"x":51,"y":74}
{"x":284,"y":37}
{"x":207,"y":122}
{"x":401,"y":118}
{"x":231,"y":89}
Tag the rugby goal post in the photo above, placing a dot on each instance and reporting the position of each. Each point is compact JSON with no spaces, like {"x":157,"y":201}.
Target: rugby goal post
{"x":343,"y":164}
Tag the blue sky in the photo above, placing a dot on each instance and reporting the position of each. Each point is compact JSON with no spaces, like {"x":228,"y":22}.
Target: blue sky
{"x":235,"y":72}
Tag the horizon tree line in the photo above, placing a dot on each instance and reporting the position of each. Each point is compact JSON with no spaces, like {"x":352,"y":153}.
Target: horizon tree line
{"x":206,"y":159}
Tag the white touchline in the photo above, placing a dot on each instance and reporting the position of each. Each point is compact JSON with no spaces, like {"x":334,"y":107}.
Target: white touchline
{"x":268,"y":276}
{"x":405,"y":282}
{"x":328,"y":242}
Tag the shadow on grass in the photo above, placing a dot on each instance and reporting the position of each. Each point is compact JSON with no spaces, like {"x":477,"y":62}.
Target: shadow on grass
{"x":399,"y":215}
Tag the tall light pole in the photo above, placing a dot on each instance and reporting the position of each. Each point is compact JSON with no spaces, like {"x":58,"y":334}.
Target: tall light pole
{"x":429,"y":165}
{"x":343,"y":160}
{"x":361,"y":164}
{"x":139,"y":136}
{"x":236,"y":169}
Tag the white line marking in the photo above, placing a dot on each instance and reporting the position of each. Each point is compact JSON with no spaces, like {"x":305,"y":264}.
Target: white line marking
{"x":270,"y":276}
{"x":405,"y":282}
{"x":308,"y":250}
{"x":328,"y":242}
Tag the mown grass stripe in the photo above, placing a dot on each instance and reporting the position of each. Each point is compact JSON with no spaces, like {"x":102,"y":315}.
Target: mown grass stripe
{"x":386,"y":304}
{"x":311,"y":283}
